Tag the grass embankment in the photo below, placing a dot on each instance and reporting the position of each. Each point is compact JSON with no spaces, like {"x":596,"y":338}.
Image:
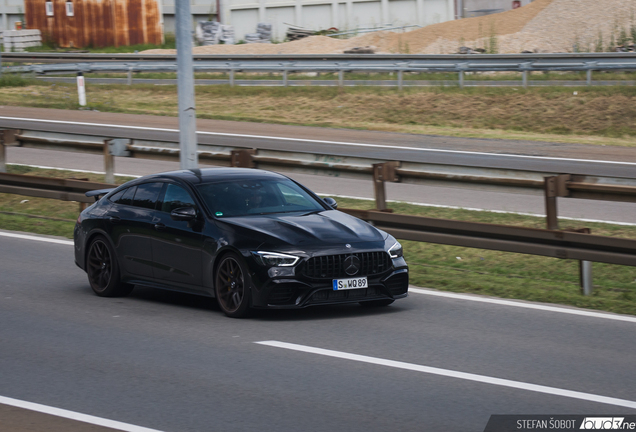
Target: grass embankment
{"x":597,"y":115}
{"x":448,"y":268}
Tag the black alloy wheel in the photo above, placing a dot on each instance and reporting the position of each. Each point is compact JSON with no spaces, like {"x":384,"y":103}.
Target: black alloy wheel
{"x":232,"y":288}
{"x":103,"y":270}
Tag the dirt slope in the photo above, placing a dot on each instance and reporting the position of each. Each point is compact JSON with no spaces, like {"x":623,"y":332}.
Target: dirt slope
{"x":542,"y":26}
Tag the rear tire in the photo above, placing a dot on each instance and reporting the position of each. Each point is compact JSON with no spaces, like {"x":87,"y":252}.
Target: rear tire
{"x":232,"y":287}
{"x":103,"y":270}
{"x":377,"y":303}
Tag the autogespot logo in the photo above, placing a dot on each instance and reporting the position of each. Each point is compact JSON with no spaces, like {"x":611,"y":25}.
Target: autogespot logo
{"x":606,"y":423}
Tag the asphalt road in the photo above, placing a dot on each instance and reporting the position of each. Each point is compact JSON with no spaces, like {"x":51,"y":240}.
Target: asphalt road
{"x":174,"y":362}
{"x":592,"y":160}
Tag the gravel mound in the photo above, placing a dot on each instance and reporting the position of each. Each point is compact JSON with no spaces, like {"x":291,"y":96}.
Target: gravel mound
{"x":541,"y":26}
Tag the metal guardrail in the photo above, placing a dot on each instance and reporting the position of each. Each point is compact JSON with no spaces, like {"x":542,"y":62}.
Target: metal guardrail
{"x":549,"y":184}
{"x":333,"y":63}
{"x":53,"y":57}
{"x":550,"y":243}
{"x":52,"y":188}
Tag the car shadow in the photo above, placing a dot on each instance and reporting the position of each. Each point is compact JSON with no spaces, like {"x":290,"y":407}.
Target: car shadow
{"x":312,"y":313}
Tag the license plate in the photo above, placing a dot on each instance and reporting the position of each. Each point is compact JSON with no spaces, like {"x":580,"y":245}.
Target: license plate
{"x":346,"y":284}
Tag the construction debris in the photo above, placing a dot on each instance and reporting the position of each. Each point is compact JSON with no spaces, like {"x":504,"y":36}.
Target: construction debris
{"x":298,"y":33}
{"x":213,"y":33}
{"x":361,"y":50}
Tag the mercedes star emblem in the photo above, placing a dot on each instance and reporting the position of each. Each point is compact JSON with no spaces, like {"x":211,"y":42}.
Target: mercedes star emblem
{"x":352,"y":265}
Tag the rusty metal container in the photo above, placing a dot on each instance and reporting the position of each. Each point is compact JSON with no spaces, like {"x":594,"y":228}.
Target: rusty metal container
{"x":96,"y":23}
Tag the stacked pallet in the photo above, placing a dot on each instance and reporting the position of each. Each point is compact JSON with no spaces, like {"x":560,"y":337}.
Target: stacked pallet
{"x":18,"y":40}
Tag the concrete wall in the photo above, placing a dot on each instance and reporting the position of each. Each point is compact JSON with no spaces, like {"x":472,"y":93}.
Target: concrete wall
{"x":244,"y":15}
{"x":473,"y":8}
{"x":10,"y":12}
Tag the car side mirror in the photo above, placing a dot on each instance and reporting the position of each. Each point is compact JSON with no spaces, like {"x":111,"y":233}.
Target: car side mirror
{"x":183,"y":214}
{"x":331,"y":202}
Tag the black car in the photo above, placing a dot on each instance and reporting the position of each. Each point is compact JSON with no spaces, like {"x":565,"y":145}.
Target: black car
{"x":250,"y":238}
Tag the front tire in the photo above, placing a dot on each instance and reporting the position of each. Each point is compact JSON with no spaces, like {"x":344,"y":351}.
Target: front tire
{"x":103,"y":270}
{"x":232,"y":287}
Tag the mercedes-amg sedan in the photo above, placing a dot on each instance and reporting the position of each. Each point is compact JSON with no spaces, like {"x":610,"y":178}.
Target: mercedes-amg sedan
{"x":250,"y":238}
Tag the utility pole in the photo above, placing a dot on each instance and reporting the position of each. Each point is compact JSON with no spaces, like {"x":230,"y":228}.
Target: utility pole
{"x":185,"y":86}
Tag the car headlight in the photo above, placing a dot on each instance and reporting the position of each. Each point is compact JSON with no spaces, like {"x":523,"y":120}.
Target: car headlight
{"x":274,"y":259}
{"x":395,"y":251}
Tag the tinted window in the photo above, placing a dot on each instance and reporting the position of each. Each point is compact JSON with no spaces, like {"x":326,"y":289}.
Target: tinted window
{"x":147,"y":194}
{"x":124,"y":196}
{"x":117,"y":196}
{"x":245,"y":197}
{"x":176,"y":197}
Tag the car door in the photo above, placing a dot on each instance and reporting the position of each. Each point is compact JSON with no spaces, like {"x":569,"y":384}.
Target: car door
{"x":177,"y":246}
{"x":130,"y":223}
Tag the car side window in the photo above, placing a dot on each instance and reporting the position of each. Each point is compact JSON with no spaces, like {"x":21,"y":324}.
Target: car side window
{"x":176,"y":197}
{"x":124,"y":196}
{"x":117,"y":196}
{"x":147,"y":194}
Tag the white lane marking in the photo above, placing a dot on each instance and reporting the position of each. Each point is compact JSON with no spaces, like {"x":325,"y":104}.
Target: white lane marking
{"x":520,"y":304}
{"x":372,"y":199}
{"x":85,"y":418}
{"x":339,"y":143}
{"x":454,"y":374}
{"x":36,"y":238}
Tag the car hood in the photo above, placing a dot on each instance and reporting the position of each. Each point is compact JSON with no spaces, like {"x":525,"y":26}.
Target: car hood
{"x":326,"y":227}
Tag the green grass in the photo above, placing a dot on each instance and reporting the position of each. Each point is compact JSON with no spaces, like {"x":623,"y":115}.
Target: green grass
{"x":15,"y":80}
{"x":169,"y":43}
{"x":448,"y":268}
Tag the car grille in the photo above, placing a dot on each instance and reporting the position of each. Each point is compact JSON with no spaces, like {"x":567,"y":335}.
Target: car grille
{"x":332,"y":266}
{"x":326,"y":296}
{"x":398,"y":284}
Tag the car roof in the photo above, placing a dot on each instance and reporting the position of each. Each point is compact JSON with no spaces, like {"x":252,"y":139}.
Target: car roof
{"x":211,"y":175}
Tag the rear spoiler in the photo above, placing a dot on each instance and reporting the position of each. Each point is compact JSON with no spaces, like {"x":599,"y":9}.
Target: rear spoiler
{"x":98,"y":193}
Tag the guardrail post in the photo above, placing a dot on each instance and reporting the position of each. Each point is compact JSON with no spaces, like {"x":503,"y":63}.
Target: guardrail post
{"x":383,"y":172}
{"x":589,"y":77}
{"x":3,"y":158}
{"x":130,"y":69}
{"x":285,"y":83}
{"x":231,"y":77}
{"x":524,"y":78}
{"x":109,"y":164}
{"x":243,"y":158}
{"x":461,"y":79}
{"x":555,"y":186}
{"x":340,"y":78}
{"x":7,"y":137}
{"x":585,"y":272}
{"x":400,"y":78}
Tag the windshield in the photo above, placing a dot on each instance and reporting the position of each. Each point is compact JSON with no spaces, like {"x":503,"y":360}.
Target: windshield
{"x":253,"y":197}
